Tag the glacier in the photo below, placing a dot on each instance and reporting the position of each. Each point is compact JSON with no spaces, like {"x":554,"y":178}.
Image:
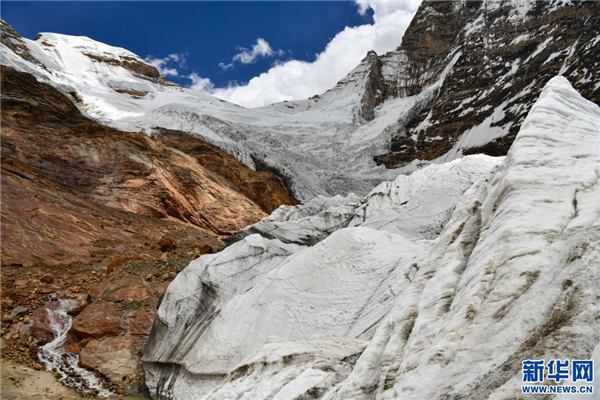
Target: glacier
{"x":413,"y":106}
{"x":324,"y":145}
{"x":434,"y":285}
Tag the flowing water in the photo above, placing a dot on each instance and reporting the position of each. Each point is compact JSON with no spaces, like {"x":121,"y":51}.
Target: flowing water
{"x":66,"y":365}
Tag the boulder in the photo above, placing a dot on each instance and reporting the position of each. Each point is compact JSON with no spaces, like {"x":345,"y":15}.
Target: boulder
{"x":7,"y":302}
{"x":111,"y":356}
{"x":83,"y":300}
{"x":167,"y":243}
{"x":119,"y":260}
{"x":97,"y":320}
{"x":140,"y":323}
{"x":129,"y":288}
{"x":20,"y":311}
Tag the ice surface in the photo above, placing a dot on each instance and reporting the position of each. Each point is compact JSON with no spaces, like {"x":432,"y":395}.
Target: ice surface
{"x":389,"y":308}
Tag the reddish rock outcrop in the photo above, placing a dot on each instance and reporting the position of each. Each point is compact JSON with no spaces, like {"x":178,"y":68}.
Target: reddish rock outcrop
{"x":139,"y":323}
{"x":106,"y":218}
{"x":81,"y":302}
{"x":71,"y":186}
{"x":264,"y":188}
{"x":111,"y":356}
{"x":97,"y":320}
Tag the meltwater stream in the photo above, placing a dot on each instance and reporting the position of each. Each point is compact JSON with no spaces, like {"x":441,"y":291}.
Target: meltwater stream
{"x":67,"y":364}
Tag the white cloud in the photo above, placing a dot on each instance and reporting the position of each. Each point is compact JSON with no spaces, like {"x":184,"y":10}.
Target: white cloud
{"x":262,"y":48}
{"x":161,"y":63}
{"x":200,"y":84}
{"x":296,"y":79}
{"x":386,"y":7}
{"x":225,"y":67}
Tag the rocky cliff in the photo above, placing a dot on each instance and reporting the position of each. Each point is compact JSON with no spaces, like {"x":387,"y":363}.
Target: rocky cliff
{"x":491,"y":58}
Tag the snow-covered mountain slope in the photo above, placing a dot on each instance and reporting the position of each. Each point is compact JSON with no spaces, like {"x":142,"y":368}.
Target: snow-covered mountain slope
{"x":461,"y":82}
{"x":318,"y":144}
{"x":374,"y":311}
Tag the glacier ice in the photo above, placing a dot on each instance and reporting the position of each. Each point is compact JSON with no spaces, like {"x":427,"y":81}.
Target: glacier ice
{"x":432,"y":285}
{"x":435,"y":285}
{"x":322,"y":145}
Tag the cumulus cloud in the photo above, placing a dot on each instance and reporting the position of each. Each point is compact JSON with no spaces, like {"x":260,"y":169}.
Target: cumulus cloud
{"x":175,"y":59}
{"x":201,"y":84}
{"x":294,"y":79}
{"x":261,"y":48}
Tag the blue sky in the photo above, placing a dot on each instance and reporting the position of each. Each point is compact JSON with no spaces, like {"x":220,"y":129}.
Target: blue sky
{"x":207,"y":34}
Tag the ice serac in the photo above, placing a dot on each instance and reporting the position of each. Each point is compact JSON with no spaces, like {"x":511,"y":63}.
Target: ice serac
{"x":512,"y":277}
{"x":377,"y":311}
{"x":306,"y":298}
{"x":332,"y":292}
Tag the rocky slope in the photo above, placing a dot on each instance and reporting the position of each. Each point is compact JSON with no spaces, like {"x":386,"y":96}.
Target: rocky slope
{"x":495,"y":56}
{"x":407,"y":293}
{"x":103,"y":177}
{"x":461,"y":82}
{"x":107,"y":218}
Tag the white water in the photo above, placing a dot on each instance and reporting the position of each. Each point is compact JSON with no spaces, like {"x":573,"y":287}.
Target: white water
{"x":66,"y":365}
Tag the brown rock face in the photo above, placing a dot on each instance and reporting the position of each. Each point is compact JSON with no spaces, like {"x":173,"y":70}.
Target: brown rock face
{"x":71,"y":186}
{"x":111,"y":356}
{"x":97,"y":320}
{"x":107,"y":218}
{"x":491,"y":59}
{"x":264,"y":188}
